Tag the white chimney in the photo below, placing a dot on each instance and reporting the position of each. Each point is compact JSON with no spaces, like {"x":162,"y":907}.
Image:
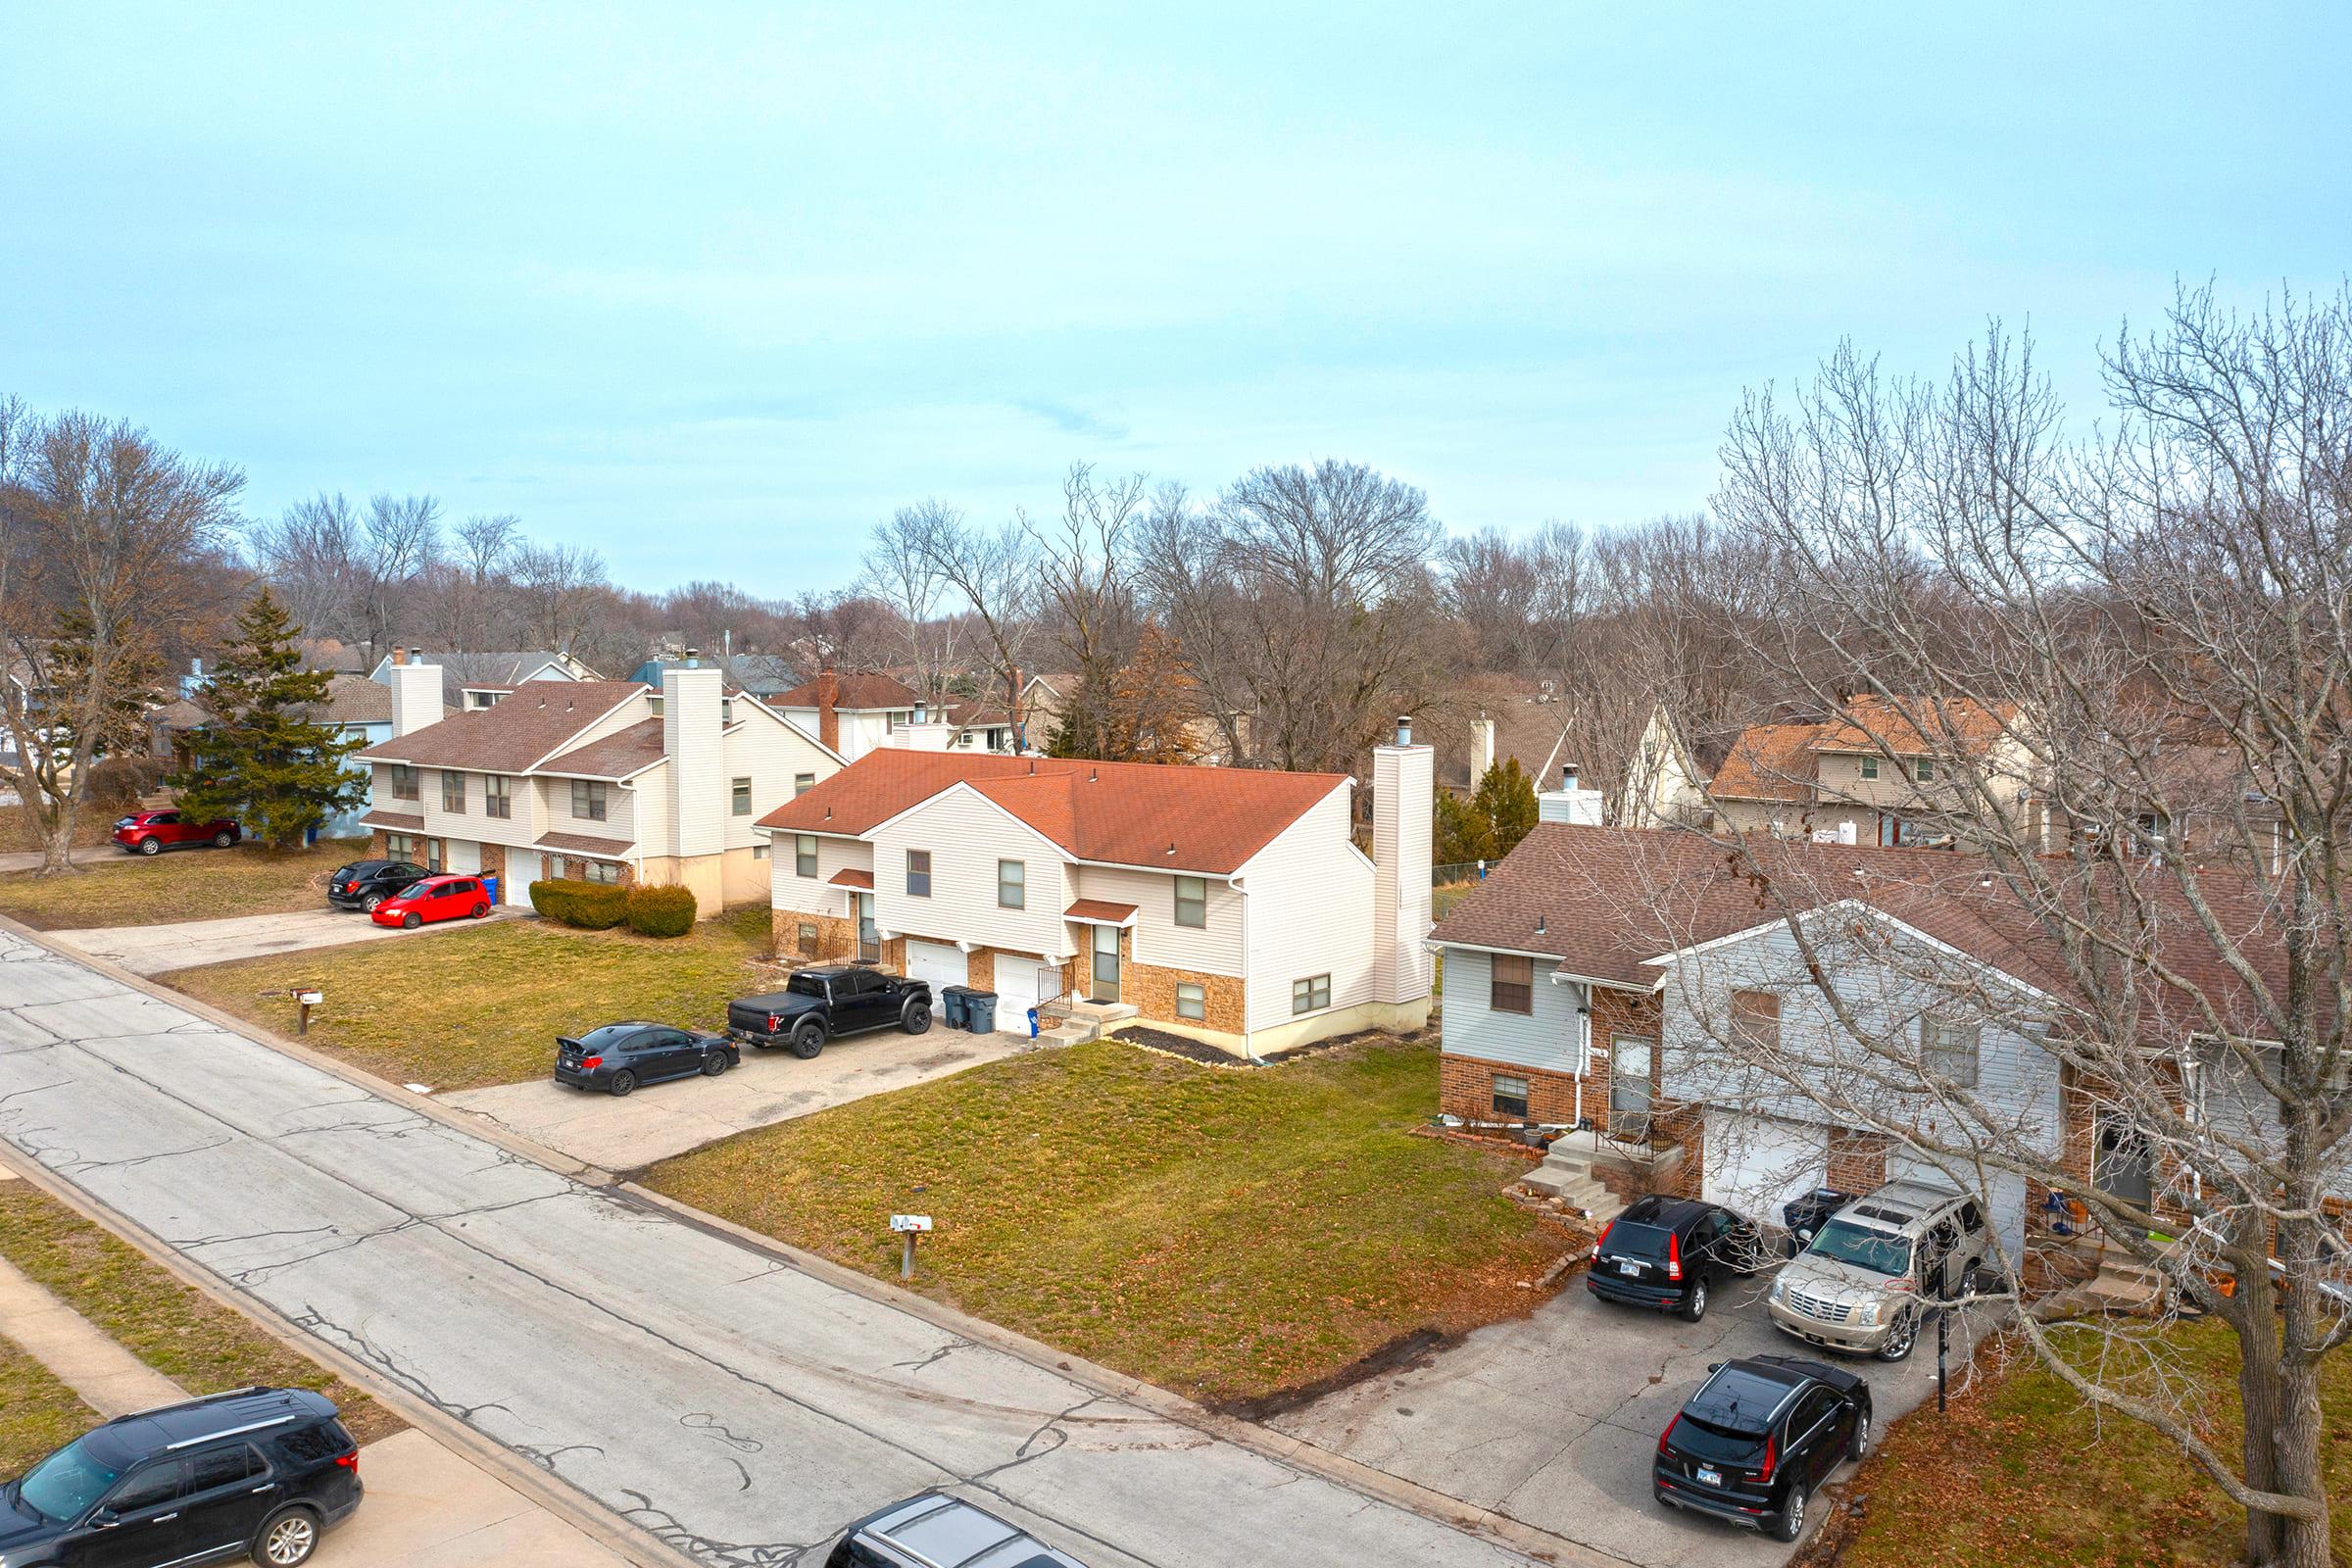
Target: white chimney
{"x":1482,"y":748}
{"x":1568,"y":802}
{"x":1845,"y":832}
{"x":1403,"y":800}
{"x":693,"y":739}
{"x":415,"y":694}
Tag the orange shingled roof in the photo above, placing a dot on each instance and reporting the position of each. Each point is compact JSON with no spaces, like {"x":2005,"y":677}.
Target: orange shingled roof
{"x":1769,"y":762}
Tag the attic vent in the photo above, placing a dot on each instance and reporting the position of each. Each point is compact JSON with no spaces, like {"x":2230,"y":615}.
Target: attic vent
{"x":1093,"y":774}
{"x":1171,"y":845}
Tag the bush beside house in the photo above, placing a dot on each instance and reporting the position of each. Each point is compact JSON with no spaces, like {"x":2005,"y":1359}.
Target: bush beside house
{"x":661,"y":912}
{"x":589,"y":905}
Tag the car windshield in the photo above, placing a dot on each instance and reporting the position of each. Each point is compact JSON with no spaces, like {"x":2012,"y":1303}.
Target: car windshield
{"x":65,"y":1483}
{"x":1874,"y":1250}
{"x":1644,"y":1242}
{"x":1716,"y":1443}
{"x":804,"y":985}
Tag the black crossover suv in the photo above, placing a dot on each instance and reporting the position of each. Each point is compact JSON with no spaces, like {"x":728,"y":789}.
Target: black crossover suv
{"x":1755,"y":1439}
{"x":253,"y":1472}
{"x":365,"y":884}
{"x":620,"y":1056}
{"x":1669,"y":1253}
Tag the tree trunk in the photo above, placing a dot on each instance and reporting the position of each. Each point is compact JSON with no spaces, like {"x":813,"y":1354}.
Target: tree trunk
{"x":2258,"y":1397}
{"x":57,"y":843}
{"x":2299,"y":1424}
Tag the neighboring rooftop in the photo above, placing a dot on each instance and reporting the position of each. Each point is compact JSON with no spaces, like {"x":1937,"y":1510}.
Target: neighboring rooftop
{"x":533,"y":721}
{"x":857,"y":692}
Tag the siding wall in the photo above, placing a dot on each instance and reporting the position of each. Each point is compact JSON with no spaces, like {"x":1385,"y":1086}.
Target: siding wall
{"x":1310,"y":912}
{"x":1550,"y":1039}
{"x":769,"y":751}
{"x":967,"y":836}
{"x":554,"y":808}
{"x":789,"y":890}
{"x":1213,"y":948}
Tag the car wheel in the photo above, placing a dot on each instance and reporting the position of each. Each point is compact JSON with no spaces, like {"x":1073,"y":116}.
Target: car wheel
{"x":1789,"y":1522}
{"x":1694,"y":1303}
{"x":481,"y":912}
{"x":286,"y":1538}
{"x":368,"y":904}
{"x":917,"y":1021}
{"x":1861,"y":1444}
{"x":151,"y":845}
{"x":715,"y":1063}
{"x":807,"y":1040}
{"x":410,"y":921}
{"x":621,"y":1083}
{"x":1898,"y":1343}
{"x":224,"y":839}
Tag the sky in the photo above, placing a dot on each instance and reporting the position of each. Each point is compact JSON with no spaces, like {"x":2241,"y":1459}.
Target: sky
{"x":712,"y":289}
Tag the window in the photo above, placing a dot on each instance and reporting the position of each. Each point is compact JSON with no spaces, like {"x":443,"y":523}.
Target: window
{"x":436,"y":857}
{"x":404,"y":782}
{"x":803,"y":783}
{"x":1512,"y":985}
{"x":604,"y":871}
{"x":759,"y":851}
{"x":400,"y":847}
{"x":1947,"y":1049}
{"x":919,"y":873}
{"x":1870,"y":768}
{"x":1310,"y":994}
{"x":1191,"y":1002}
{"x":588,"y":800}
{"x":739,"y":798}
{"x":1755,"y":1019}
{"x":498,"y":795}
{"x":225,"y":1469}
{"x":1510,"y":1096}
{"x":1629,"y":1086}
{"x":452,"y":792}
{"x":1925,"y":769}
{"x":155,"y":1485}
{"x":803,"y":854}
{"x":807,"y":940}
{"x":1191,"y":901}
{"x":1013,"y":884}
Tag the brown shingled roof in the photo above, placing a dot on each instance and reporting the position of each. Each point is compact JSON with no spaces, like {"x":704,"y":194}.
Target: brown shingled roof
{"x":1125,"y":813}
{"x":865,"y":691}
{"x":536,"y":718}
{"x":620,"y":755}
{"x":582,"y":843}
{"x":397,"y":821}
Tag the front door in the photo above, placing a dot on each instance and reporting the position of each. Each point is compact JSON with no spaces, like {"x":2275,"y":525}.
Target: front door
{"x":869,"y":938}
{"x":1628,"y":1087}
{"x":2124,"y":1166}
{"x":1106,"y":974}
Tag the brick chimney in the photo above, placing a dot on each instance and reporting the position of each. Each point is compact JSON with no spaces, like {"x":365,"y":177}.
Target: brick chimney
{"x":828,"y":719}
{"x":1403,"y":802}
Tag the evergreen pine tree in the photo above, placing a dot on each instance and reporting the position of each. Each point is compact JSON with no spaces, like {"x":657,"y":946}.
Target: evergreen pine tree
{"x":264,"y":759}
{"x":1506,"y":801}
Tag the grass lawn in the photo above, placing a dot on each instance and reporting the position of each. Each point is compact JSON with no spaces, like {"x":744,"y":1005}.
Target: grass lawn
{"x":37,"y":1413}
{"x":183,"y":1334}
{"x":484,"y":1005}
{"x":1228,"y":1233}
{"x":17,"y":830}
{"x":200,"y":884}
{"x":2018,"y":1475}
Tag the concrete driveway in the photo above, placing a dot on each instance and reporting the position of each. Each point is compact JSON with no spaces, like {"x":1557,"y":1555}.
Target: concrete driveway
{"x":660,"y":1120}
{"x":189,"y":944}
{"x":1553,"y":1420}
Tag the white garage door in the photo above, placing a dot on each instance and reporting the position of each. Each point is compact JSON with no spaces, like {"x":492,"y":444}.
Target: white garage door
{"x":1754,"y":1164}
{"x":1019,"y":988}
{"x":940,"y":963}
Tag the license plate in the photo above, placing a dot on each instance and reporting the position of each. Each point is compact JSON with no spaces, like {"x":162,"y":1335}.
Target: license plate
{"x":1708,"y":1474}
{"x":1624,"y":1267}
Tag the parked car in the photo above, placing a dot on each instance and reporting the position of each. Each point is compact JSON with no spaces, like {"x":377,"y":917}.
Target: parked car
{"x":937,"y":1530}
{"x":263,"y":1472}
{"x":434,"y":898}
{"x":620,"y":1056}
{"x":365,"y":884}
{"x":1755,"y":1439}
{"x":1668,"y":1254}
{"x":1873,"y":1273}
{"x":153,"y":832}
{"x":818,"y":1004}
{"x":1806,"y":1216}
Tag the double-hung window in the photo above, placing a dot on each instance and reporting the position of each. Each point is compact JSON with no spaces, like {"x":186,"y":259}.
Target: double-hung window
{"x":1013,"y":884}
{"x":404,"y":782}
{"x":1310,"y":994}
{"x":1926,"y":769}
{"x":1192,"y":901}
{"x":1512,"y":986}
{"x":452,"y":792}
{"x":1948,"y":1051}
{"x":588,"y":800}
{"x":803,"y":854}
{"x":919,"y":873}
{"x":739,"y":798}
{"x":1870,"y":768}
{"x":1192,"y":1001}
{"x":1756,"y":1019}
{"x":498,"y":795}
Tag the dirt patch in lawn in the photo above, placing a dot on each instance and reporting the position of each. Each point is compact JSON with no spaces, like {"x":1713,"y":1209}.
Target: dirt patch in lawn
{"x":198,"y":884}
{"x":1229,"y":1235}
{"x":1401,"y":1351}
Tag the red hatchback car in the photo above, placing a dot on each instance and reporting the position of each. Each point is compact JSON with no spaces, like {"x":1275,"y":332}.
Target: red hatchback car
{"x":436,"y":898}
{"x":153,"y":832}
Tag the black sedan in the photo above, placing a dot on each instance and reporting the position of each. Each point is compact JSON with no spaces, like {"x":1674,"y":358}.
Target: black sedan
{"x":365,"y":884}
{"x":1670,"y":1253}
{"x":620,"y":1056}
{"x":1755,"y":1439}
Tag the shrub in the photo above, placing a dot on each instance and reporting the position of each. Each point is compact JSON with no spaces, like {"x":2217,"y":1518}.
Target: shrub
{"x":661,"y":912}
{"x":590,"y":906}
{"x":118,"y":782}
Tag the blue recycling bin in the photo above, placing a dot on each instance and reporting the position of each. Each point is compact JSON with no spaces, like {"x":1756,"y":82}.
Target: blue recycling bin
{"x":490,"y":883}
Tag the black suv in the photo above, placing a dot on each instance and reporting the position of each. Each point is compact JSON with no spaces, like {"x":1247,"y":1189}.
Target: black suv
{"x":365,"y":884}
{"x":620,"y":1056}
{"x":1669,"y":1253}
{"x":1755,"y":1439}
{"x":257,"y":1471}
{"x":817,"y":1004}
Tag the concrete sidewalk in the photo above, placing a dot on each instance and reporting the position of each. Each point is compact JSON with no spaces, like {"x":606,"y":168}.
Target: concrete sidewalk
{"x":80,"y":855}
{"x":151,"y":950}
{"x":425,"y":1504}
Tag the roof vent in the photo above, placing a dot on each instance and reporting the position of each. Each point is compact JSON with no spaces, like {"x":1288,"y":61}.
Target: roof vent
{"x":1093,"y":774}
{"x":1538,"y":925}
{"x":1171,"y":845}
{"x":1405,"y":729}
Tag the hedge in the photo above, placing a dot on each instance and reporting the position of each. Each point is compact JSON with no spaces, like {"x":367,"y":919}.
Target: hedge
{"x":661,"y":912}
{"x":590,"y":906}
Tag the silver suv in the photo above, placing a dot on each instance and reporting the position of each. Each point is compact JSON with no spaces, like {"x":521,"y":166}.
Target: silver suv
{"x":937,"y":1530}
{"x":1869,"y":1276}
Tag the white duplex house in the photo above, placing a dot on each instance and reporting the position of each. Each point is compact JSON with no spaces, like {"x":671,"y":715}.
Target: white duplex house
{"x":1229,"y":905}
{"x":599,"y":780}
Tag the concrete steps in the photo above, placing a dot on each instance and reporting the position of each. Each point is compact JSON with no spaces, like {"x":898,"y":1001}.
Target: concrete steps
{"x":1567,"y":1177}
{"x":1087,"y":1021}
{"x":2122,"y":1287}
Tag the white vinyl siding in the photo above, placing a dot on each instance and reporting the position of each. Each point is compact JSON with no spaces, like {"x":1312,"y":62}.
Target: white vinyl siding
{"x":1549,"y":1037}
{"x":1309,"y":913}
{"x":967,"y":836}
{"x":817,"y":895}
{"x":774,"y":755}
{"x":1212,"y":948}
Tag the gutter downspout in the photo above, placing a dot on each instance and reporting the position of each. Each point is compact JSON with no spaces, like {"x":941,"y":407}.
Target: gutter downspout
{"x":1235,"y":883}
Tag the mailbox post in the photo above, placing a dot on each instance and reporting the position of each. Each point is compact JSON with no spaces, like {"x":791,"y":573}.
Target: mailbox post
{"x":303,"y":1000}
{"x":910,"y":1226}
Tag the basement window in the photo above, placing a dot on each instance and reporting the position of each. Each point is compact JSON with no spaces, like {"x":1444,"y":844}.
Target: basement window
{"x":1191,"y":1002}
{"x":1510,"y":1096}
{"x":1310,"y":994}
{"x":807,"y":940}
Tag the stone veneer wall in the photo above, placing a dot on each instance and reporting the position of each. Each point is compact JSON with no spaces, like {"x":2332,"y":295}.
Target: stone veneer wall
{"x":836,"y":935}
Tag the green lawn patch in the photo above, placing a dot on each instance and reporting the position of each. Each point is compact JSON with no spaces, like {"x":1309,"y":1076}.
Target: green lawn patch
{"x":1226,"y":1233}
{"x":174,"y":1328}
{"x":200,"y":884}
{"x":37,"y":1413}
{"x":2018,"y":1475}
{"x":484,"y":1004}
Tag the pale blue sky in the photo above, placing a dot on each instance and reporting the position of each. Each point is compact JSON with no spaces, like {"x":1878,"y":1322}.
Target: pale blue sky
{"x":711,"y":287}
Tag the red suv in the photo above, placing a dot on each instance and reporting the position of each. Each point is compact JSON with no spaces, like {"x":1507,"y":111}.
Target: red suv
{"x":436,"y":898}
{"x":153,"y":832}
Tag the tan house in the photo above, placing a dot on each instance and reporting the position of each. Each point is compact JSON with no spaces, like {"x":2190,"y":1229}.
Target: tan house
{"x":1870,"y":776}
{"x":601,"y":780}
{"x":852,"y":714}
{"x":1228,"y":905}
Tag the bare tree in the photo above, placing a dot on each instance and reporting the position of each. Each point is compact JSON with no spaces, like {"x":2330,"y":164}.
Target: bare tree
{"x":992,"y":575}
{"x":2179,"y":582}
{"x":1084,"y":561}
{"x":900,"y":570}
{"x":98,"y":525}
{"x":558,"y":588}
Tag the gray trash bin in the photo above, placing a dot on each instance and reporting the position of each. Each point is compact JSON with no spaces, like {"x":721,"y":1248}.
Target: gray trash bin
{"x":980,"y":1012}
{"x":955,"y":1005}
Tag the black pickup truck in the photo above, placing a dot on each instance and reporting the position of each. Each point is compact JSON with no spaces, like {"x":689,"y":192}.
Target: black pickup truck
{"x":817,"y":1005}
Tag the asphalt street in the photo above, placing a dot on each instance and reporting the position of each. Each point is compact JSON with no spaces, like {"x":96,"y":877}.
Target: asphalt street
{"x":730,"y":1404}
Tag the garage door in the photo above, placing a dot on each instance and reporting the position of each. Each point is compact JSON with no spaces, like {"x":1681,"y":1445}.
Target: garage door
{"x":2004,"y":1201}
{"x":1018,"y":989}
{"x":1754,"y":1164}
{"x":940,"y":963}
